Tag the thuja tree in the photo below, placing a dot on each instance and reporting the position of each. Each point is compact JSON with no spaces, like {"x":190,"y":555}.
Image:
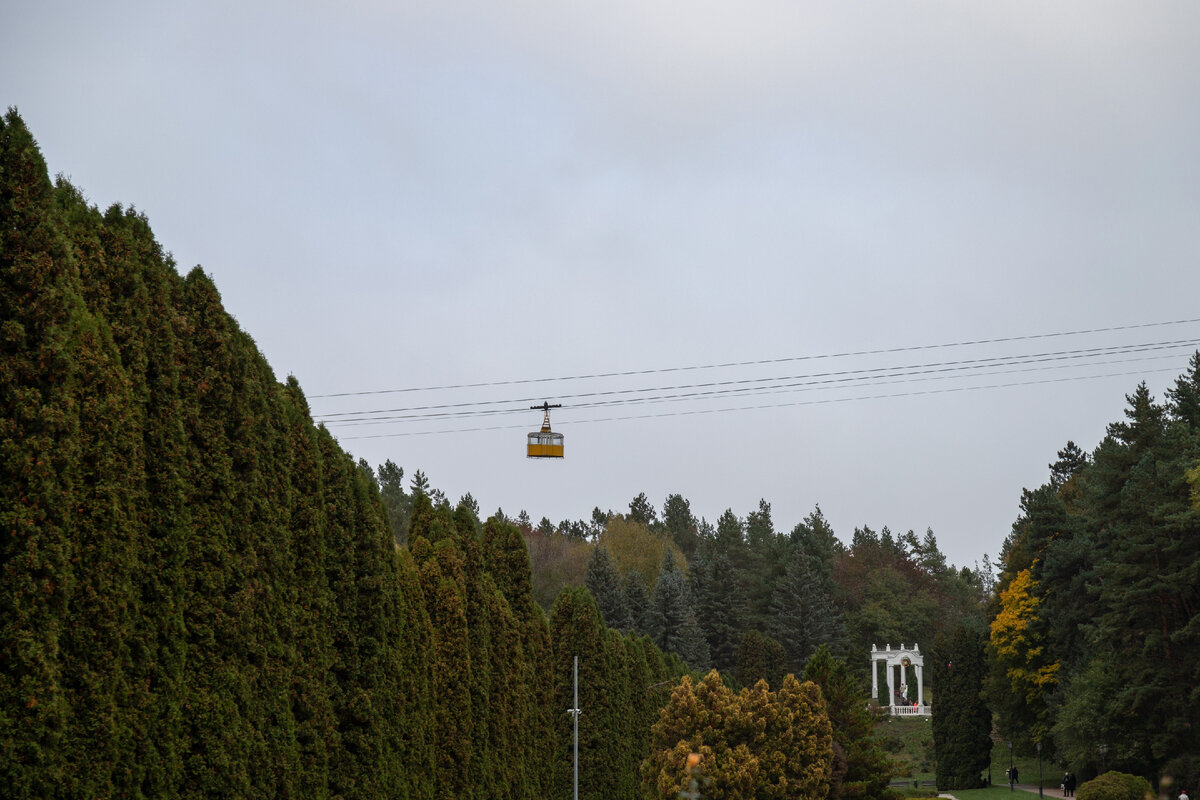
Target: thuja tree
{"x":530,"y":706}
{"x":442,"y":583}
{"x":962,"y":724}
{"x":577,"y":633}
{"x":50,"y":343}
{"x":621,"y":678}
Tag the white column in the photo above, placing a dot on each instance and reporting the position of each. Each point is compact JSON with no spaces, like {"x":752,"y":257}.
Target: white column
{"x":891,"y":686}
{"x":874,"y":677}
{"x":920,"y":688}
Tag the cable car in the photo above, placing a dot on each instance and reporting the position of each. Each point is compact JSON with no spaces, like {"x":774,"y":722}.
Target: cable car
{"x":544,"y":443}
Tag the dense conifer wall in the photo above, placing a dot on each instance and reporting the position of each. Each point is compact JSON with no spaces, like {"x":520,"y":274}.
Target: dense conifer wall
{"x":202,"y":595}
{"x":200,"y":592}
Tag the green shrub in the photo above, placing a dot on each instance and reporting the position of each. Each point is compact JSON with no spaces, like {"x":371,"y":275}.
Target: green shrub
{"x":1116,"y":786}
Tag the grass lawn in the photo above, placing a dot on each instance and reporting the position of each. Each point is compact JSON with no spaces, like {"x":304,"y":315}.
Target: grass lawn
{"x":908,"y":742}
{"x":1027,"y":768}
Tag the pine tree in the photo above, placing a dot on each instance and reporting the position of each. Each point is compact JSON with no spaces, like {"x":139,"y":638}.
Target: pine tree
{"x":815,"y":536}
{"x":802,"y":613}
{"x":673,"y":625}
{"x":691,"y":646}
{"x":1070,"y":461}
{"x":762,"y":564}
{"x":1183,"y":400}
{"x":680,"y":524}
{"x":637,"y":599}
{"x":722,"y":611}
{"x":730,"y":535}
{"x":642,"y":511}
{"x":396,"y":501}
{"x":604,"y":582}
{"x":1146,"y":559}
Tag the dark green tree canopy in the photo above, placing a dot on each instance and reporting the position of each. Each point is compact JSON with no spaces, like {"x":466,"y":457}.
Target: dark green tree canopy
{"x":641,"y":510}
{"x":962,"y":724}
{"x":606,"y":586}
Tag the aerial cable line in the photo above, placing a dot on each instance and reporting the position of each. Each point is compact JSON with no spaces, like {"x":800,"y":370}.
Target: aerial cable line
{"x":883,"y":351}
{"x":912,"y":369}
{"x":781,"y":388}
{"x":977,"y":363}
{"x":750,"y":392}
{"x":826,"y":401}
{"x":949,"y":365}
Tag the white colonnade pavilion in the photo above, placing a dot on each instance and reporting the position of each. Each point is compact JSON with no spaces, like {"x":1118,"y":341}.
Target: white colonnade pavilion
{"x":897,"y":662}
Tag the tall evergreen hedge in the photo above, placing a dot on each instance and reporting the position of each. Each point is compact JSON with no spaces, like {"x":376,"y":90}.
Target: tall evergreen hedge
{"x":201,"y":595}
{"x":201,"y":592}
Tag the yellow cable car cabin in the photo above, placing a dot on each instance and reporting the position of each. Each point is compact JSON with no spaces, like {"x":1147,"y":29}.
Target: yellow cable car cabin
{"x":544,"y":443}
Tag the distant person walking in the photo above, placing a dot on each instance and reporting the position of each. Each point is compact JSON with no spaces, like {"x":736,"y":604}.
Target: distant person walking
{"x":1183,"y":795}
{"x":1069,"y":785}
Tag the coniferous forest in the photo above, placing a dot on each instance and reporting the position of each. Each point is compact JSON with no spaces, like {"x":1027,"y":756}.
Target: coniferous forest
{"x":205,"y":596}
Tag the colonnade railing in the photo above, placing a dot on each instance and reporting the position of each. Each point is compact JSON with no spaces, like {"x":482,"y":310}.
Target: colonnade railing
{"x":911,"y":711}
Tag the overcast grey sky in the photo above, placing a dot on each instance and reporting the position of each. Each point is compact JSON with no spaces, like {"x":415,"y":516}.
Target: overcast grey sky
{"x":397,"y":195}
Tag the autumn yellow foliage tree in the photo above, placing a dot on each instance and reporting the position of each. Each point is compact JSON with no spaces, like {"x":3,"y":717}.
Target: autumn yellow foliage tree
{"x":754,"y":744}
{"x":633,"y":545}
{"x":1022,"y":668}
{"x":1193,"y":478}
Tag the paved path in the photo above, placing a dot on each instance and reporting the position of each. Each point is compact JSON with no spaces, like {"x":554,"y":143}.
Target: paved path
{"x":1047,"y":791}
